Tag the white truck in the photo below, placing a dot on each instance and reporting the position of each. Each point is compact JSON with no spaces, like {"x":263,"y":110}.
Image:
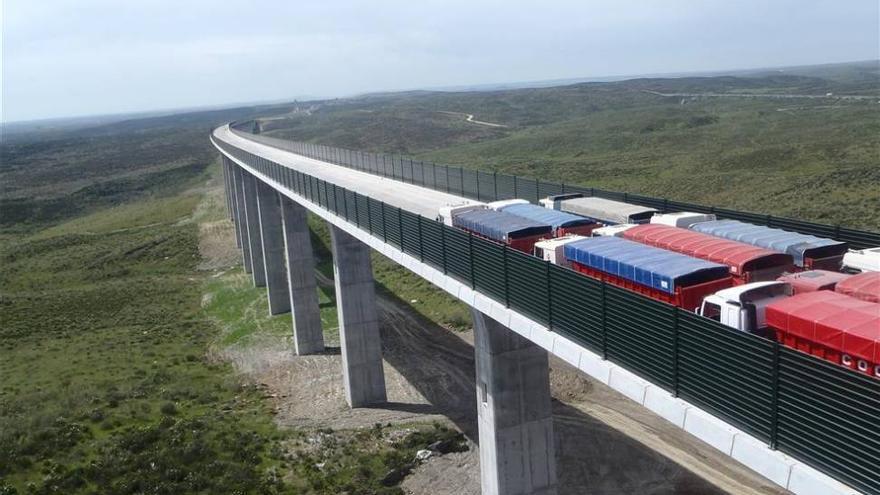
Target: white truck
{"x":743,"y":307}
{"x":497,"y":205}
{"x":612,"y":230}
{"x":683,"y":219}
{"x":447,"y":212}
{"x":862,"y":260}
{"x":553,"y":250}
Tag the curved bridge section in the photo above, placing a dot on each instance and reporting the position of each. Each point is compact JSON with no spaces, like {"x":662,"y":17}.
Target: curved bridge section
{"x":806,"y":425}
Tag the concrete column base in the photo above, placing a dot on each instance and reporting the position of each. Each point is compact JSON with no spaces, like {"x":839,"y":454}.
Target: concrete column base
{"x":517,"y":453}
{"x":308,"y":338}
{"x":363,"y":374}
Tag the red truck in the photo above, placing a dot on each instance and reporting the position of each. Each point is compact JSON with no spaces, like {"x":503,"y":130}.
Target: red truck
{"x":747,"y":263}
{"x":830,"y":325}
{"x":517,"y":232}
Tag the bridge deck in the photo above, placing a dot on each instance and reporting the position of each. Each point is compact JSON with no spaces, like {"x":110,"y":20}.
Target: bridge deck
{"x":416,"y":199}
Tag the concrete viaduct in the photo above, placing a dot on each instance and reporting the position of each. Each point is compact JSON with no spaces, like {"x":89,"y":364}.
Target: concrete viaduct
{"x":516,"y":441}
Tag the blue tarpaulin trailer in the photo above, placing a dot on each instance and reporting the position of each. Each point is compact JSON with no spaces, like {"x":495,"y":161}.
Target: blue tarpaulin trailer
{"x":561,"y":221}
{"x":503,"y":227}
{"x":654,"y":267}
{"x":808,"y":251}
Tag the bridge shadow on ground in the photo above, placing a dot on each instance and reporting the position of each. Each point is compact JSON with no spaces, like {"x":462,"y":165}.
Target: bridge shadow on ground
{"x":592,"y":456}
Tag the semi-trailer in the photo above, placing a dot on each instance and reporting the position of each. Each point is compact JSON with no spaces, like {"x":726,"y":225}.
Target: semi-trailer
{"x":829,"y":325}
{"x":599,"y":209}
{"x":562,"y":223}
{"x":663,"y":275}
{"x":517,"y":232}
{"x":825,"y":323}
{"x":813,"y":280}
{"x":747,"y":263}
{"x":864,"y":286}
{"x":809,"y":252}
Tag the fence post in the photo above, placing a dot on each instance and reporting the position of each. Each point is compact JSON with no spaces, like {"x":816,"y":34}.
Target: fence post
{"x":421,"y":241}
{"x":412,"y":172}
{"x":604,"y":325}
{"x":384,"y":224}
{"x":774,"y":401}
{"x":837,"y":232}
{"x":478,"y":185}
{"x":461,"y":175}
{"x":495,"y":184}
{"x":400,"y":227}
{"x":471,"y":260}
{"x":515,"y":188}
{"x":537,"y":190}
{"x":506,"y":276}
{"x":443,"y":247}
{"x":369,"y":217}
{"x":675,"y":341}
{"x":549,"y":296}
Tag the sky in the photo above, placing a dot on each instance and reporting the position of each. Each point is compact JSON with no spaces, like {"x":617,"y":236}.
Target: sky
{"x":90,"y":57}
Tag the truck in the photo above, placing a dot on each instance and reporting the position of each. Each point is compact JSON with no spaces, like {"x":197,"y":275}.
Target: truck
{"x":743,"y":307}
{"x":612,"y":230}
{"x":813,"y":280}
{"x":809,"y":252}
{"x":599,"y":209}
{"x":447,"y":212}
{"x":683,"y":219}
{"x":562,"y":223}
{"x":517,"y":232}
{"x":862,"y":260}
{"x":663,"y":275}
{"x":829,"y":325}
{"x":864,"y":286}
{"x":552,"y":250}
{"x":747,"y":263}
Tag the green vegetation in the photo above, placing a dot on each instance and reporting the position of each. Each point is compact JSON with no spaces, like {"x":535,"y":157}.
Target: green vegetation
{"x":110,"y":338}
{"x":813,"y":159}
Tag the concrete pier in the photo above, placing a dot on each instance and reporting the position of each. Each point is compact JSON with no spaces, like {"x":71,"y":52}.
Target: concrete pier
{"x":517,"y":454}
{"x":358,"y":321}
{"x":252,"y":222}
{"x":240,"y":221}
{"x":231,"y":199}
{"x":272,"y":236}
{"x":308,"y":337}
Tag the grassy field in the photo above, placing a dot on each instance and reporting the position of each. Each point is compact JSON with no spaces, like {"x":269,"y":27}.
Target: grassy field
{"x":813,"y":159}
{"x":112,"y":339}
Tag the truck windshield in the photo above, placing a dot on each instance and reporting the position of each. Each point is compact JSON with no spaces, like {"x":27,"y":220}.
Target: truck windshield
{"x":711,"y":310}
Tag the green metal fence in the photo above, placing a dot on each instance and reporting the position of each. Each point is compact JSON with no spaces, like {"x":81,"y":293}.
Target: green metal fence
{"x":822,"y":414}
{"x":484,"y":186}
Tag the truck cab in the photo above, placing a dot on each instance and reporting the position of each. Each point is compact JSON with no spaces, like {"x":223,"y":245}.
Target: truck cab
{"x":682,"y":219}
{"x":498,"y":205}
{"x":862,"y":260}
{"x":612,"y":230}
{"x":447,"y":212}
{"x":553,"y":250}
{"x":743,"y":307}
{"x":554,"y":202}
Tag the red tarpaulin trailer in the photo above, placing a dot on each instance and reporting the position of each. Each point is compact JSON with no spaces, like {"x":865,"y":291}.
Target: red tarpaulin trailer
{"x":864,"y":286}
{"x":813,"y":280}
{"x":829,"y":325}
{"x":747,"y":263}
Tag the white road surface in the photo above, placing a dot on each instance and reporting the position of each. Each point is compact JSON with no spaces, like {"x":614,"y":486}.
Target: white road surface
{"x":416,"y":199}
